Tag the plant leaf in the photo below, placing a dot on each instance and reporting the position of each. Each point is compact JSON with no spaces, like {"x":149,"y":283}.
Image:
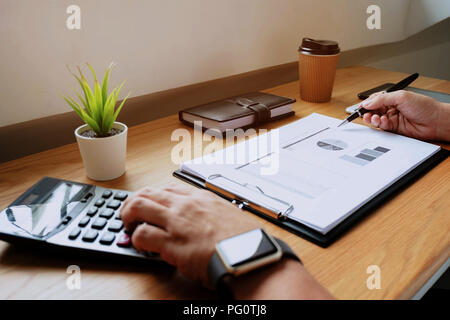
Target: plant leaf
{"x":88,"y":109}
{"x":75,"y":107}
{"x":108,"y":111}
{"x":92,"y":70}
{"x":111,"y":118}
{"x":96,"y":108}
{"x":118,"y":109}
{"x":120,"y":88}
{"x":105,"y":82}
{"x":117,"y":92}
{"x":88,"y":94}
{"x":82,"y":100}
{"x":91,"y":122}
{"x":99,"y":103}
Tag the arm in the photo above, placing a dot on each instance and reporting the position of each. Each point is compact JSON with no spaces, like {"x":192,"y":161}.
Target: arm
{"x":410,"y":114}
{"x":287,"y":279}
{"x":183,"y":225}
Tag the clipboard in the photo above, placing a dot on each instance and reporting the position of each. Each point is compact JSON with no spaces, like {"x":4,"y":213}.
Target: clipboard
{"x":307,"y":233}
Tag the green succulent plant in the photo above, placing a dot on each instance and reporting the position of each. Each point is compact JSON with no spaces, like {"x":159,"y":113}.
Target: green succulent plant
{"x":97,"y":108}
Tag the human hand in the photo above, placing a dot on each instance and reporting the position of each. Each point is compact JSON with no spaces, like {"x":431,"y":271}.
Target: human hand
{"x":405,"y":112}
{"x":182,"y":224}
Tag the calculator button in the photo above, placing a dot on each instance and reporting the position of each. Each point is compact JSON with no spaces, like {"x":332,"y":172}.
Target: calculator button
{"x":117,"y":216}
{"x":66,"y":220}
{"x":74,"y":233}
{"x":124,"y":240}
{"x":86,"y":197}
{"x":121,"y":196}
{"x":106,"y":194}
{"x":107,"y":213}
{"x":90,"y":235}
{"x":99,"y":223}
{"x":107,"y":238}
{"x":115,"y":225}
{"x":113,"y":204}
{"x":84,"y":222}
{"x":92,"y":211}
{"x":100,"y":202}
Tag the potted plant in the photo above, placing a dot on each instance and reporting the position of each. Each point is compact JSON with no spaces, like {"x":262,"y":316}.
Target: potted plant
{"x":102,"y":141}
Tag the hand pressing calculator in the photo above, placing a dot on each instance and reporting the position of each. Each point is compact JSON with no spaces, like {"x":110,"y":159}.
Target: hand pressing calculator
{"x":69,"y":214}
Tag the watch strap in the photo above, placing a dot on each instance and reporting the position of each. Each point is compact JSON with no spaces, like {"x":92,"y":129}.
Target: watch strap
{"x":286,"y":250}
{"x":216,"y":269}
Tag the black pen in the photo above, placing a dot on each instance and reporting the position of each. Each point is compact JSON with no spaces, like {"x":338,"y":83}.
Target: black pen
{"x":398,"y":86}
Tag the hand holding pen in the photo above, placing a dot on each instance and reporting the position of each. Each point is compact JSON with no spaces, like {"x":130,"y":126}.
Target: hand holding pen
{"x":409,"y":114}
{"x":398,"y":86}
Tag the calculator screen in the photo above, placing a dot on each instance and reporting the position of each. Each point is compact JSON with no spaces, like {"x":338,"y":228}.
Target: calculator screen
{"x":38,"y":215}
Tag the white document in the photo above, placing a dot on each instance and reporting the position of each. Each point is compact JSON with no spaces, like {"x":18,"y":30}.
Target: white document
{"x":325,"y":173}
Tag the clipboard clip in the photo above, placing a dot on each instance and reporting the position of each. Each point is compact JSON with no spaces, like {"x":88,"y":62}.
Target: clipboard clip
{"x":240,"y":204}
{"x":243,"y":203}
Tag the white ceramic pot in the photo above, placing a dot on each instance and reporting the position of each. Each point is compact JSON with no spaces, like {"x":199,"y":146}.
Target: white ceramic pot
{"x":103,"y":158}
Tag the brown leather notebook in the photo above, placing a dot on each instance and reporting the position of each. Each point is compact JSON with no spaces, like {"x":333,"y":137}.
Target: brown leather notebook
{"x":243,"y":111}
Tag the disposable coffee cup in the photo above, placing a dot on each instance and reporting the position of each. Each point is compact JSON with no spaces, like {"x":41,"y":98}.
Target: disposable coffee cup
{"x":317,"y":68}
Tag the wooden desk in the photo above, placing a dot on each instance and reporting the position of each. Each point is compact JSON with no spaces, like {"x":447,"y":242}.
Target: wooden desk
{"x":408,"y":237}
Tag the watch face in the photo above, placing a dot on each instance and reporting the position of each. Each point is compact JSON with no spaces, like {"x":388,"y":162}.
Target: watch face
{"x":246,"y":247}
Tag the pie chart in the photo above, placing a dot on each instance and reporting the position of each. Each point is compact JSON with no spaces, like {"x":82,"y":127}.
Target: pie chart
{"x":332,"y":144}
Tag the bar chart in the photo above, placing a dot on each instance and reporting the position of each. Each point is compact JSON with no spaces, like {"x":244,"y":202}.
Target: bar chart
{"x":365,"y":156}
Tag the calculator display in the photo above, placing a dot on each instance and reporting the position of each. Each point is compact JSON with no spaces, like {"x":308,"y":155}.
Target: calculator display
{"x":38,"y":215}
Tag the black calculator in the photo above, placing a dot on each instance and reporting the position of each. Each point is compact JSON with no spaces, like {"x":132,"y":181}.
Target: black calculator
{"x":69,"y":214}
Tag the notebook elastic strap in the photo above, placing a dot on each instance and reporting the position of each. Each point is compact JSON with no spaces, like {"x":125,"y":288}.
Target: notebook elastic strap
{"x":262,"y":112}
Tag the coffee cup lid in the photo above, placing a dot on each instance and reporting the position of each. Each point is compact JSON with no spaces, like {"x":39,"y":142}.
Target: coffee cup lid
{"x":319,"y":47}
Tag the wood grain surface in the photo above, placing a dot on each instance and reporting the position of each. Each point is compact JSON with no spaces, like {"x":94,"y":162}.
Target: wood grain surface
{"x":408,"y":237}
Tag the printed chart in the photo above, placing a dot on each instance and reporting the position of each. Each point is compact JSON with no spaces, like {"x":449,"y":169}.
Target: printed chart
{"x":365,"y":156}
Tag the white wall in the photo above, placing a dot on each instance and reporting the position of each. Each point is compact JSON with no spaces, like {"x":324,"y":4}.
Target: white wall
{"x":162,"y":44}
{"x":424,"y":13}
{"x":426,"y":52}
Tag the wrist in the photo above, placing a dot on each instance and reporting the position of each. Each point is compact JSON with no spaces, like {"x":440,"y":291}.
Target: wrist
{"x":259,"y":283}
{"x":243,"y":254}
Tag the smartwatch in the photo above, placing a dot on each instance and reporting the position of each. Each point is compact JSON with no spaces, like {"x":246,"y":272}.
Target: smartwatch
{"x":245,"y":252}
